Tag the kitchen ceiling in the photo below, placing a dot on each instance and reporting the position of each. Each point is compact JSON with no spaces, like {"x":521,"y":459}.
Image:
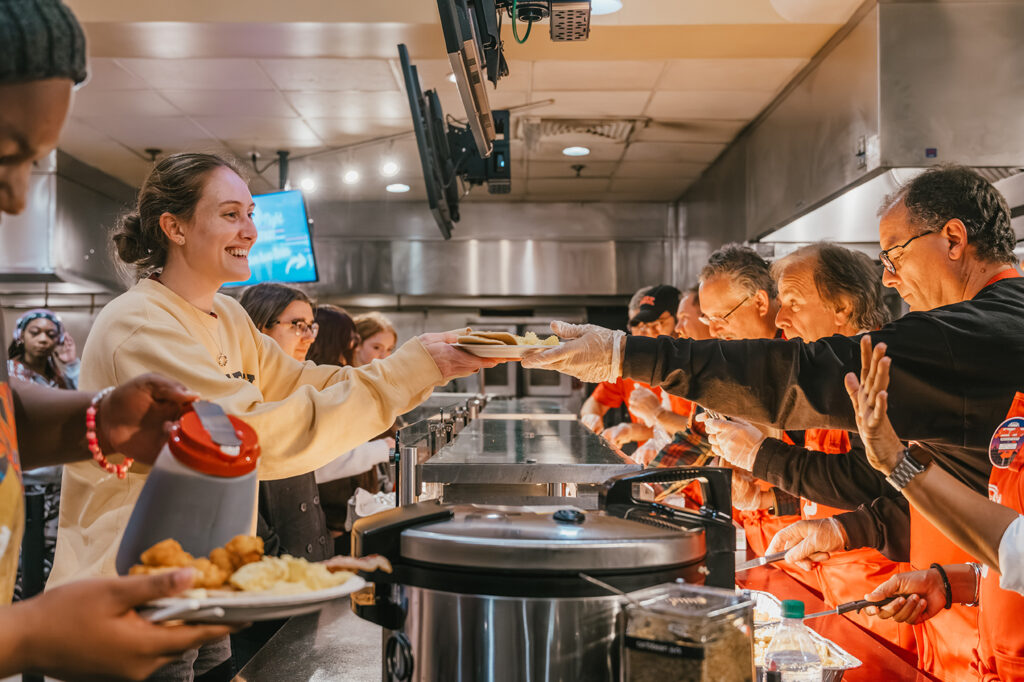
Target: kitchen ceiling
{"x":310,"y":75}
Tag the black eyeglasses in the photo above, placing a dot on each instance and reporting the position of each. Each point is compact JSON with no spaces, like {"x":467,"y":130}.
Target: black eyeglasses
{"x":709,"y":319}
{"x":887,"y":260}
{"x":300,"y":328}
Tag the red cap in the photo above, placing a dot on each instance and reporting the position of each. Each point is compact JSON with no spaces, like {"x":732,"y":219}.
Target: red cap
{"x":192,"y":446}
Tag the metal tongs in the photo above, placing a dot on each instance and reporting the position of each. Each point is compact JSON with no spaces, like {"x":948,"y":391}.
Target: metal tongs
{"x":852,"y":606}
{"x":761,"y":561}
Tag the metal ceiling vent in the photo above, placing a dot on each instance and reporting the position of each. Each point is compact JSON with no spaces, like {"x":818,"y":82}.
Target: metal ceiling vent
{"x":534,"y":131}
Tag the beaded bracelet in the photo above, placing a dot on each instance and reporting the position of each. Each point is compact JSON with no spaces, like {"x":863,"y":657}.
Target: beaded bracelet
{"x":119,"y":470}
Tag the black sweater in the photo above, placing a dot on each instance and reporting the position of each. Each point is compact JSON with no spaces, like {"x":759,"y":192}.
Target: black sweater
{"x":955,"y":370}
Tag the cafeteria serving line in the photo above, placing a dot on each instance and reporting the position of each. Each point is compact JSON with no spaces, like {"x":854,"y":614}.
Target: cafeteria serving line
{"x":670,"y":341}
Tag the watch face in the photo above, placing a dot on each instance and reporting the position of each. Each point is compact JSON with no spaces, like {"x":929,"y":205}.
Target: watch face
{"x":1007,"y":442}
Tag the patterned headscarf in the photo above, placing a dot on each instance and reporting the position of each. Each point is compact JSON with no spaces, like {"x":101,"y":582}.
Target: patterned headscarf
{"x":35,"y":314}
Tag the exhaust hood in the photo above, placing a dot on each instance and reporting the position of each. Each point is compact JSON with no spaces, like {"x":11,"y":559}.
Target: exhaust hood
{"x":903,"y":86}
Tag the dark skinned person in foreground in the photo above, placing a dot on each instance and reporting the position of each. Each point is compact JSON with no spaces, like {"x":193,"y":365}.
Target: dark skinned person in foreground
{"x":958,"y":361}
{"x":88,"y":629}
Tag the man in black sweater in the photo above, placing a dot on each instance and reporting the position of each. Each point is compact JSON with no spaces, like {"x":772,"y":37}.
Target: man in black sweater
{"x":958,"y":357}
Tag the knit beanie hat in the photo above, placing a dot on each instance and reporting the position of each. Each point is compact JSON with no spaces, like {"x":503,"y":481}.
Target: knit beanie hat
{"x":40,"y":39}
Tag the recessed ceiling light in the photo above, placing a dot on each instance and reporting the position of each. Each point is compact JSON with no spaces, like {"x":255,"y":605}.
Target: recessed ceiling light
{"x":307,"y":184}
{"x":389,"y":169}
{"x":451,"y":77}
{"x":576,"y":151}
{"x":397,"y":187}
{"x":350,"y":177}
{"x":605,"y":6}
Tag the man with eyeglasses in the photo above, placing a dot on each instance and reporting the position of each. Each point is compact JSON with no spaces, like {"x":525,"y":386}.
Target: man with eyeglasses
{"x":957,"y":358}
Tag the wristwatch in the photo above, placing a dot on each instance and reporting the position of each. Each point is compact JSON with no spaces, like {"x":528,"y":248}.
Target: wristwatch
{"x":905,"y":470}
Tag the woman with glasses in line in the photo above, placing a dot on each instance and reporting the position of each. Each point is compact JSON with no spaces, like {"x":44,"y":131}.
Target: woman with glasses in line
{"x":190,"y":234}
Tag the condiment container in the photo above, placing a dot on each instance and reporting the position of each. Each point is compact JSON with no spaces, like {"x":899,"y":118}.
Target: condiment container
{"x":201,"y":490}
{"x":678,"y":632}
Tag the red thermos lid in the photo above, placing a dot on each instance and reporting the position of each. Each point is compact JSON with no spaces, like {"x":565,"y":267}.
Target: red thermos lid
{"x":192,"y":446}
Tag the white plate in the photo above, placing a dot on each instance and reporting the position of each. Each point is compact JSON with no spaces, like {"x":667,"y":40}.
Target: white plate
{"x":482,"y":350}
{"x":247,"y":607}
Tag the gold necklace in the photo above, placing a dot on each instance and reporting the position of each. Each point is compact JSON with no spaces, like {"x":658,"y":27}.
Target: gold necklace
{"x":222,"y":359}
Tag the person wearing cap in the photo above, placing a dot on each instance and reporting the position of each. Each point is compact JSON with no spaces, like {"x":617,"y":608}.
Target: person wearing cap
{"x":958,"y":360}
{"x":651,"y":313}
{"x":88,"y":628}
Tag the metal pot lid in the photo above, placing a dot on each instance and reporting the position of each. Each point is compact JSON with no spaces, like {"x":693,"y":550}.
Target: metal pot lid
{"x":564,"y":540}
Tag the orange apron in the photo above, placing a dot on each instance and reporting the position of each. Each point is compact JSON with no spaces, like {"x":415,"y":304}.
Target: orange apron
{"x":1000,"y":654}
{"x":848,"y":576}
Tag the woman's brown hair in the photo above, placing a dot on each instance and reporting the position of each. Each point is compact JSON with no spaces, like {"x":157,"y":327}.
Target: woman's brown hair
{"x":337,"y":337}
{"x":266,"y":301}
{"x":368,"y":324}
{"x":174,"y":186}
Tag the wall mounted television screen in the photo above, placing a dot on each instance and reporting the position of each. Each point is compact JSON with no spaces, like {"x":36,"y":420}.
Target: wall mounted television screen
{"x":283,"y":252}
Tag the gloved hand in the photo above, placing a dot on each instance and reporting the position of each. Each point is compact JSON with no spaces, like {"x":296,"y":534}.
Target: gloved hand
{"x":735,"y":441}
{"x":589,"y":353}
{"x":746,"y":492}
{"x":646,"y":453}
{"x":645,"y":405}
{"x":927,"y":597}
{"x":808,"y":542}
{"x":594,"y":422}
{"x":627,"y":432}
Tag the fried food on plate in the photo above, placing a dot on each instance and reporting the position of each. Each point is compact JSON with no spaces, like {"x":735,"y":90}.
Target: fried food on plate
{"x":245,"y":549}
{"x":507,"y":339}
{"x":167,"y":553}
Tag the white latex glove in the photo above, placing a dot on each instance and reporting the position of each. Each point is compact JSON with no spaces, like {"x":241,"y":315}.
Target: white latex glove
{"x":626,"y":432}
{"x":646,"y":452}
{"x":645,"y":405}
{"x":808,"y":542}
{"x":735,"y":441}
{"x":589,"y":353}
{"x":747,"y":494}
{"x":594,"y":422}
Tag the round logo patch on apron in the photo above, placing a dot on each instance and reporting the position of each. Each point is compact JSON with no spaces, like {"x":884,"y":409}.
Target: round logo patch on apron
{"x":1007,"y":442}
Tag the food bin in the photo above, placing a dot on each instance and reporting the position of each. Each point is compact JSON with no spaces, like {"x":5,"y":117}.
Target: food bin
{"x":839,"y":660}
{"x":677,"y":632}
{"x":767,"y":607}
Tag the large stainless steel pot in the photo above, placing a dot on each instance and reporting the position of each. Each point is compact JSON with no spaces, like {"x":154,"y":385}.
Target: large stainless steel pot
{"x":488,"y":593}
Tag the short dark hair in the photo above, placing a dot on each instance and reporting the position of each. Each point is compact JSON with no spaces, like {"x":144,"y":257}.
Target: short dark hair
{"x":843,"y":275}
{"x":943,"y":193}
{"x":337,"y":337}
{"x":266,"y":301}
{"x":743,"y":264}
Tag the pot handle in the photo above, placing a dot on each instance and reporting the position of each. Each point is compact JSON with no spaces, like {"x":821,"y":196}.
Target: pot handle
{"x":715,"y":487}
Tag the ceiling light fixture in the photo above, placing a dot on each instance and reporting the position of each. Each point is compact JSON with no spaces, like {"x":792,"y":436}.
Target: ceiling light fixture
{"x":576,"y":151}
{"x":397,"y":188}
{"x":389,"y":168}
{"x":307,"y":184}
{"x":350,"y":176}
{"x":605,"y":6}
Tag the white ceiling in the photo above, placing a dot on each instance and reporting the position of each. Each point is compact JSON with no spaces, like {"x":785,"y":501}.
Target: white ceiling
{"x":306,"y":77}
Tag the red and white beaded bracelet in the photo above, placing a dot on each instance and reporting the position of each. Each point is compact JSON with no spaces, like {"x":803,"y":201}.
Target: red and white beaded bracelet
{"x":120,"y":470}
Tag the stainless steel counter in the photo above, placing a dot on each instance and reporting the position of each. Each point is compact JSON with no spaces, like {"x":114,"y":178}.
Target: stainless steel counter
{"x":525,"y":451}
{"x":334,"y":645}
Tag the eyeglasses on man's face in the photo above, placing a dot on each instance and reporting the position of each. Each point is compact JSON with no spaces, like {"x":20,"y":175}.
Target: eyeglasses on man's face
{"x":714,"y":319}
{"x":300,"y":328}
{"x":893,"y":254}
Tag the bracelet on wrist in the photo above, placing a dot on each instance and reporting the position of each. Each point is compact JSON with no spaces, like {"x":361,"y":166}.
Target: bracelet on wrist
{"x":92,"y":441}
{"x":977,"y":583}
{"x":945,"y":585}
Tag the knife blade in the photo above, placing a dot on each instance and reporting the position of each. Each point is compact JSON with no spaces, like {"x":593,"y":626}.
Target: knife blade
{"x":761,"y":561}
{"x":851,"y":606}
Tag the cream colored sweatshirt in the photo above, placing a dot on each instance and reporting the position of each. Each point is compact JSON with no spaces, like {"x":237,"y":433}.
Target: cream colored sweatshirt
{"x":304,"y":414}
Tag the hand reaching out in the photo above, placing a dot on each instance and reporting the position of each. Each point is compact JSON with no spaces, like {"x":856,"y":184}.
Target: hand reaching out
{"x":809,"y":542}
{"x":589,"y":352}
{"x":627,"y":432}
{"x":594,"y":422}
{"x":735,"y":441}
{"x":645,"y":405}
{"x":870,"y":400}
{"x":927,"y":597}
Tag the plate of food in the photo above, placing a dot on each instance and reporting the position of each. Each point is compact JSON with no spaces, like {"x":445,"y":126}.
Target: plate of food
{"x":238,"y":584}
{"x":503,"y":344}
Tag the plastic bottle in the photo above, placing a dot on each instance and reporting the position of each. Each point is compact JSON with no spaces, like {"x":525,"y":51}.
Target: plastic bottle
{"x":201,"y":490}
{"x":792,"y":651}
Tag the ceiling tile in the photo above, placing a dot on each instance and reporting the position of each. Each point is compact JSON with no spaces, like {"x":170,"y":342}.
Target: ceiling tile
{"x":168,"y":133}
{"x":339,"y":131}
{"x":248,"y":130}
{"x":659,"y":169}
{"x":672,"y":151}
{"x":370,"y":75}
{"x":200,"y":74}
{"x":764,"y":75}
{"x":591,"y":104}
{"x":563,"y":169}
{"x":689,"y":131}
{"x":595,"y":75}
{"x":85,"y":143}
{"x":651,"y":185}
{"x":573,"y":186}
{"x":117,"y":103}
{"x":451,"y":102}
{"x":433,"y":73}
{"x":230,"y":103}
{"x":727,"y":104}
{"x":107,"y":74}
{"x":383,"y":105}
